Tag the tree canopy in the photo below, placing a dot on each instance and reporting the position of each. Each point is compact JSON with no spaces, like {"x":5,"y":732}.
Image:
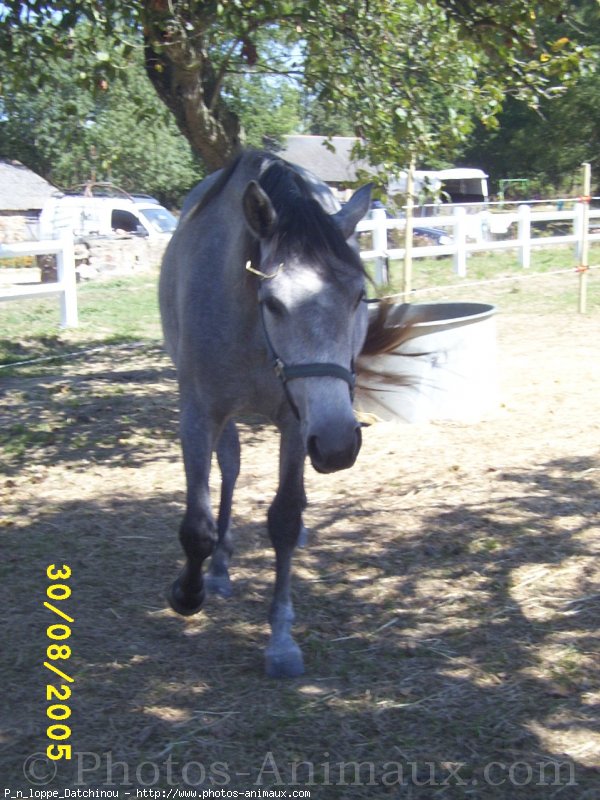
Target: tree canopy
{"x":547,"y":144}
{"x":71,"y":135}
{"x":409,"y":75}
{"x":120,"y":131}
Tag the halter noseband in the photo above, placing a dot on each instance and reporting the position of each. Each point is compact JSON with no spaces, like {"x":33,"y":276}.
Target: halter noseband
{"x":288,"y":372}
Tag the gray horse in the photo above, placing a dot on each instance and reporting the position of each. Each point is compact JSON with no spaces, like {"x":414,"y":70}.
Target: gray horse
{"x":261,"y":298}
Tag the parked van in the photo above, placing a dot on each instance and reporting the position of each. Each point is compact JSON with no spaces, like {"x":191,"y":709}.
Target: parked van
{"x":86,"y":216}
{"x":456,"y":186}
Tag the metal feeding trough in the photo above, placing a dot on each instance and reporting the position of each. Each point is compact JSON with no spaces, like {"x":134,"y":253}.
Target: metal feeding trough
{"x":445,"y":370}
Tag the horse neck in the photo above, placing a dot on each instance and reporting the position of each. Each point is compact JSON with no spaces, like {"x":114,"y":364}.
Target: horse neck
{"x":243,"y":248}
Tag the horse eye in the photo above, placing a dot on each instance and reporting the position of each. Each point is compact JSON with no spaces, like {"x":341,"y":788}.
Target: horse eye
{"x":274,"y":306}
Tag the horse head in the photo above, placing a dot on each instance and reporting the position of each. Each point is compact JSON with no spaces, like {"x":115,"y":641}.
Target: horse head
{"x":310,"y":292}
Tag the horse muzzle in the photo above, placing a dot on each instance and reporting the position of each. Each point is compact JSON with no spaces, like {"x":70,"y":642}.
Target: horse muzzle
{"x":331,"y":449}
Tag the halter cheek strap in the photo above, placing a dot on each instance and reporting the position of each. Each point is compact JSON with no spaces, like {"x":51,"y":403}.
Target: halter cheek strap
{"x":288,"y":372}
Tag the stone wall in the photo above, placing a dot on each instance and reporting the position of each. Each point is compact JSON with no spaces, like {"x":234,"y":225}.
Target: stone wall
{"x":124,"y":255}
{"x":16,"y":227}
{"x":95,"y":256}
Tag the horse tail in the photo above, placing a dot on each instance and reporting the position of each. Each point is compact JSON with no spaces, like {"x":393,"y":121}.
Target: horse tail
{"x":385,"y":334}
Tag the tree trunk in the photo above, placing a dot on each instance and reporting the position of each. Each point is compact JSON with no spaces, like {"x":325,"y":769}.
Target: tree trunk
{"x":185,"y":80}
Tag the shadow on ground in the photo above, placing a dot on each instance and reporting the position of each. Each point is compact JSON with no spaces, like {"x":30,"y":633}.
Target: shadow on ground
{"x":108,"y":408}
{"x":457,"y":659}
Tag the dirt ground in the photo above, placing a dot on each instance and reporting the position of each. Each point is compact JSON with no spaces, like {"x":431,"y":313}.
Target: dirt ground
{"x":447,"y":603}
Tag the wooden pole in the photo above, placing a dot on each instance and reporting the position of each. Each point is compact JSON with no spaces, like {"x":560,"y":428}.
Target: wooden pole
{"x":408,"y":231}
{"x":585,"y":232}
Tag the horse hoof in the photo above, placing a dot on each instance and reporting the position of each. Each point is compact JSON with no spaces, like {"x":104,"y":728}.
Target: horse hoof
{"x":288,"y":664}
{"x":181,"y":603}
{"x":219,"y":585}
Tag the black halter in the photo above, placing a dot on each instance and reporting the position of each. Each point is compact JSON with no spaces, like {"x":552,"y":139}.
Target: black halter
{"x":288,"y":372}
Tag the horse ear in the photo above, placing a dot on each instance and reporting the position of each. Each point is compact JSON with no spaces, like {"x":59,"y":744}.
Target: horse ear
{"x":258,"y":210}
{"x":351,"y":214}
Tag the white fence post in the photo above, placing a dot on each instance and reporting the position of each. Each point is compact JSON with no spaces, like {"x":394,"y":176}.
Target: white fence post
{"x":380,"y":245}
{"x":524,"y":235}
{"x":67,"y":277}
{"x":460,"y":241}
{"x":65,"y":286}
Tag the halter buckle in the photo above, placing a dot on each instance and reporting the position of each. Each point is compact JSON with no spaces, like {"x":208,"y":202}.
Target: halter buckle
{"x":279,"y":368}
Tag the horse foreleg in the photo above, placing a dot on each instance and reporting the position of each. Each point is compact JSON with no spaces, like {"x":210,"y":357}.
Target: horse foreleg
{"x":228,"y":456}
{"x":283,"y":656}
{"x":197,"y":532}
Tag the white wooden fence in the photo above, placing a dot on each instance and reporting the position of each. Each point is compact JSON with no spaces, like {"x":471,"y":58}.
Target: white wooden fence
{"x":475,"y":232}
{"x":469,"y":233}
{"x":65,"y":286}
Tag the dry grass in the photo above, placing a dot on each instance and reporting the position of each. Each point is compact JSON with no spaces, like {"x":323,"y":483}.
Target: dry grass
{"x":447,"y":602}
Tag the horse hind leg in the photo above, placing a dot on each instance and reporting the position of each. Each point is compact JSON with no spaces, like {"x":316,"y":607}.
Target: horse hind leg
{"x":217,"y":581}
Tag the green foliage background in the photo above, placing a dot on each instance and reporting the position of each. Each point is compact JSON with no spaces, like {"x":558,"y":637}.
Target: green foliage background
{"x":117,"y":131}
{"x":508,"y":86}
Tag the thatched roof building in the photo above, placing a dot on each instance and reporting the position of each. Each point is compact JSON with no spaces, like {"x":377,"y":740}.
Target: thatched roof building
{"x":21,"y":190}
{"x":22,"y":196}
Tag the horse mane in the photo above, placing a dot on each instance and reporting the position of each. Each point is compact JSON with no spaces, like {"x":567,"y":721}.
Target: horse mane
{"x":301,"y":219}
